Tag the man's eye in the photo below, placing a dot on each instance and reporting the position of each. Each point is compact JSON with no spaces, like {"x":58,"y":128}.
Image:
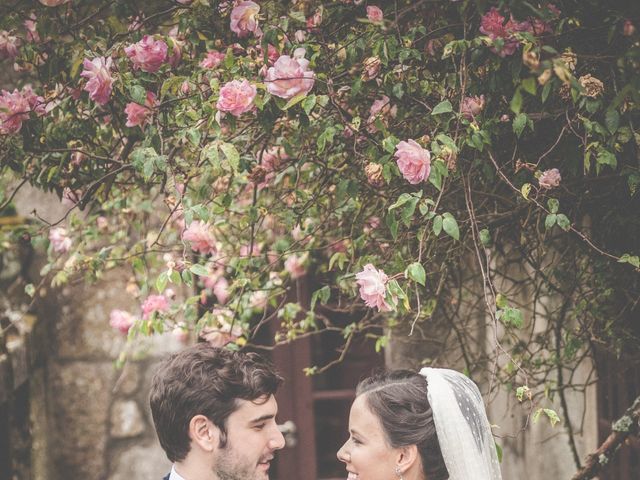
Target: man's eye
{"x":260,"y":426}
{"x":356,"y":441}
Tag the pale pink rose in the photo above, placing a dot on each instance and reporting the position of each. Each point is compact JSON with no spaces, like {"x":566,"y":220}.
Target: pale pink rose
{"x":294,"y":265}
{"x":148,"y":54}
{"x":213,"y":59}
{"x":98,"y":71}
{"x":180,"y":331}
{"x":314,"y":21}
{"x":200,"y":236}
{"x":60,"y":242}
{"x":244,"y":19}
{"x":14,"y":109}
{"x":121,"y":320}
{"x":154,"y":303}
{"x":373,"y":287}
{"x":300,"y":36}
{"x":8,"y":45}
{"x":102,"y":223}
{"x":221,"y":290}
{"x":471,"y":107}
{"x":36,"y":102}
{"x":139,"y":114}
{"x":550,"y":179}
{"x":413,"y":161}
{"x":185,"y":88}
{"x":259,"y":300}
{"x":31,"y":27}
{"x":176,"y":51}
{"x":290,"y":76}
{"x":236,"y":97}
{"x":77,"y":158}
{"x":272,"y":53}
{"x":136,"y":24}
{"x":374,"y":14}
{"x":52,"y":3}
{"x":246,"y":249}
{"x":371,"y":224}
{"x":382,"y":109}
{"x":71,"y":197}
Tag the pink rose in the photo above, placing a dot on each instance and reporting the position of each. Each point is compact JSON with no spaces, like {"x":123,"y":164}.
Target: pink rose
{"x":222,"y":332}
{"x":32,"y":31}
{"x":201,"y":238}
{"x":493,"y":24}
{"x":628,"y":28}
{"x":314,"y":21}
{"x":77,"y":158}
{"x":213,"y":59}
{"x":100,"y":79}
{"x":14,"y":109}
{"x":550,"y":179}
{"x":236,"y":97}
{"x":271,"y":161}
{"x":176,"y":51}
{"x":154,"y":303}
{"x":102,"y":223}
{"x":472,"y":106}
{"x":60,"y":242}
{"x":290,"y":76}
{"x":8,"y":45}
{"x":244,"y":19}
{"x":373,"y":287}
{"x":413,"y":161}
{"x":121,"y":320}
{"x":139,"y":114}
{"x":300,"y":36}
{"x":374,"y":14}
{"x":148,"y":54}
{"x":294,"y":265}
{"x":221,"y":290}
{"x":380,"y":109}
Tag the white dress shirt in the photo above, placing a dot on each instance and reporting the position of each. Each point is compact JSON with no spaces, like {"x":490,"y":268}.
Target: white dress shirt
{"x":174,"y":475}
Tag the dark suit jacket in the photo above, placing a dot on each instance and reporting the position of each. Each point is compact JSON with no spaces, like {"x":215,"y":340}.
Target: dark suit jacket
{"x":167,"y":477}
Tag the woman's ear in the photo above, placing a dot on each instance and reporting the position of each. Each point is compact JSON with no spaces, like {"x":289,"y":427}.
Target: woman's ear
{"x":203,"y":433}
{"x":407,"y":457}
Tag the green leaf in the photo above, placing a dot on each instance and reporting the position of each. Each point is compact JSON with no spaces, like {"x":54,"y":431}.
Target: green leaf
{"x":563,"y":222}
{"x":339,"y":257}
{"x":485,"y":237}
{"x":630,"y":259}
{"x":29,"y":289}
{"x":519,"y":122}
{"x":199,"y":270}
{"x":529,"y":85}
{"x":553,"y":205}
{"x":232,"y":155}
{"x":443,"y":107}
{"x":175,"y":277}
{"x":437,"y":225}
{"x":392,"y":223}
{"x":516,"y":101}
{"x":552,"y":415}
{"x":321,"y":294}
{"x":550,"y":221}
{"x":138,"y":94}
{"x":498,"y":452}
{"x":294,"y":101}
{"x":510,"y":317}
{"x":416,"y":272}
{"x":450,"y":226}
{"x":402,"y":199}
{"x":187,"y":277}
{"x":612,"y":120}
{"x":521,"y":392}
{"x":309,"y":103}
{"x":161,"y":282}
{"x":389,"y":144}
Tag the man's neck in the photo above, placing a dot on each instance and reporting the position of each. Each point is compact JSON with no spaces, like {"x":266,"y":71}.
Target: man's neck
{"x":194,"y":471}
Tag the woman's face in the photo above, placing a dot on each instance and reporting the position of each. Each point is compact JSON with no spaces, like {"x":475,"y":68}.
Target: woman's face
{"x":366,"y":453}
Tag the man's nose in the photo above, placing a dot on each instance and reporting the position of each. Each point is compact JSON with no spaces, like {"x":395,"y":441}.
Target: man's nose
{"x":277,"y":439}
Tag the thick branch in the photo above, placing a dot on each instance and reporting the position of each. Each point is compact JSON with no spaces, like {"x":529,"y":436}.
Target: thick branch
{"x":622,"y":428}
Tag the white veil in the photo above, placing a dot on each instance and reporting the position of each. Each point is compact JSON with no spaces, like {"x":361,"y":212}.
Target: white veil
{"x":464,"y":432}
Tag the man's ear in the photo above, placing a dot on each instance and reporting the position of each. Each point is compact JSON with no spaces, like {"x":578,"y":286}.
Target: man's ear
{"x":407,"y":457}
{"x":203,"y":433}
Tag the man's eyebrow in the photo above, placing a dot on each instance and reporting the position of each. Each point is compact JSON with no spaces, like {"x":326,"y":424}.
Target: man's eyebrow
{"x":268,"y":416}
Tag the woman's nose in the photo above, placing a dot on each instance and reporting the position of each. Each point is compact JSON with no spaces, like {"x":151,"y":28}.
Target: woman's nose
{"x":342,"y":454}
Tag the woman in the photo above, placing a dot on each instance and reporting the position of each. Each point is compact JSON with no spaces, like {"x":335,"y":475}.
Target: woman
{"x":427,"y":426}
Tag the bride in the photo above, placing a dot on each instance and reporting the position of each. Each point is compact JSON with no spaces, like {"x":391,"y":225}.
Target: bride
{"x":427,"y":426}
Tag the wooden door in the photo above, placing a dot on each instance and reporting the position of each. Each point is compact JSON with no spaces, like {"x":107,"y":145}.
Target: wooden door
{"x":318,"y":405}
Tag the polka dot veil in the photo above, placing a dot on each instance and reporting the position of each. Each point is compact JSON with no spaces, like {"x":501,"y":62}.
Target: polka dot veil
{"x":464,"y":432}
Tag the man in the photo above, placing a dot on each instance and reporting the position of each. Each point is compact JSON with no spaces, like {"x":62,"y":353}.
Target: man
{"x":215,"y":414}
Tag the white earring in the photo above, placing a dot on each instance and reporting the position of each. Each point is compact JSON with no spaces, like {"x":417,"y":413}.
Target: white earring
{"x":398,"y":472}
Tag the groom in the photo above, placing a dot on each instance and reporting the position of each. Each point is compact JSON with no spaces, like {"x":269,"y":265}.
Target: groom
{"x":215,"y":414}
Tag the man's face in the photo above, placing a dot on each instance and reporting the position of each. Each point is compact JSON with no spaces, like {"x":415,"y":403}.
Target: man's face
{"x":252,"y":439}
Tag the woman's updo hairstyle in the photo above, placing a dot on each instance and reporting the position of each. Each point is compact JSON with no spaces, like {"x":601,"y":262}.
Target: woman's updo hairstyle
{"x":399,"y":399}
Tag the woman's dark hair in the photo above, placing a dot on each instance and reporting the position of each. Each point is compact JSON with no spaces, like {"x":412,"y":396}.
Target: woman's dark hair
{"x":399,"y":399}
{"x":203,"y":380}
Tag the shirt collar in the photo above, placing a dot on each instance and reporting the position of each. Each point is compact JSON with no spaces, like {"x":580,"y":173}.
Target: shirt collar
{"x":174,"y":475}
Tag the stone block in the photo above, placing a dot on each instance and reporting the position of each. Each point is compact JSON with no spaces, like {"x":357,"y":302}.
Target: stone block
{"x":80,"y":397}
{"x":126,"y":419}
